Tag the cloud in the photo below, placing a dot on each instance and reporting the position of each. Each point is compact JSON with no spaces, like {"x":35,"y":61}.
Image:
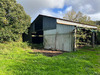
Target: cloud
{"x":49,"y":12}
{"x":68,"y":9}
{"x":59,"y":14}
{"x":86,"y":6}
{"x":95,"y":16}
{"x":35,"y":7}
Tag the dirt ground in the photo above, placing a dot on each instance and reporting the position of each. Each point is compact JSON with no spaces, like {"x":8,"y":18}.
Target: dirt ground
{"x":49,"y":53}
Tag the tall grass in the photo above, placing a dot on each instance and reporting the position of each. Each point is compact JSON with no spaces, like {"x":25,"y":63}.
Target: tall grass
{"x":18,"y":58}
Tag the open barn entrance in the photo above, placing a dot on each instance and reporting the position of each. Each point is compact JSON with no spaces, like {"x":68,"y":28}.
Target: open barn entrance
{"x":37,"y":37}
{"x":85,"y":37}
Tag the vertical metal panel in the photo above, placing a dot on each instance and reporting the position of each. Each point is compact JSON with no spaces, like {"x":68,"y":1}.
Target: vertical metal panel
{"x":49,"y":42}
{"x":64,"y":28}
{"x":43,"y":23}
{"x":60,"y":38}
{"x":64,"y":39}
{"x":32,"y":27}
{"x":50,"y":32}
{"x":49,"y":23}
{"x":49,"y":39}
{"x":64,"y":42}
{"x":39,"y":23}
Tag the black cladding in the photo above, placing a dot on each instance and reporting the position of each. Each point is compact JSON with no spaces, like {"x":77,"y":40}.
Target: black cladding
{"x":43,"y":23}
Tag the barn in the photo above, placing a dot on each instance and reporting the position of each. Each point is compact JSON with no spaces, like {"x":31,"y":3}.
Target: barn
{"x":55,"y":33}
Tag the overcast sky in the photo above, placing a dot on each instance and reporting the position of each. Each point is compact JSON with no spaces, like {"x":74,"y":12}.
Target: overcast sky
{"x":58,"y":8}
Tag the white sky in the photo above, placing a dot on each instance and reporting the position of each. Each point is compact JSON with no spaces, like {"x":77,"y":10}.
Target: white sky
{"x":49,"y":7}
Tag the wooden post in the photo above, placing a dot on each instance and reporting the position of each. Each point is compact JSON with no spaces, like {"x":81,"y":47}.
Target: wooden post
{"x":75,"y":39}
{"x":93,"y":39}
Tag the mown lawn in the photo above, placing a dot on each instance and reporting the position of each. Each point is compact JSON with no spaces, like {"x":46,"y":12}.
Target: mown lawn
{"x":18,"y":59}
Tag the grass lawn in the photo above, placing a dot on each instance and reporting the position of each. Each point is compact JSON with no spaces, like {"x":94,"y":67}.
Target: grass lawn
{"x":16,"y":59}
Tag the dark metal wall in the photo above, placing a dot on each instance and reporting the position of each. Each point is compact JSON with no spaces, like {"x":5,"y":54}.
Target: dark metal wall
{"x":43,"y":23}
{"x":40,"y":24}
{"x":49,"y":23}
{"x":37,"y":37}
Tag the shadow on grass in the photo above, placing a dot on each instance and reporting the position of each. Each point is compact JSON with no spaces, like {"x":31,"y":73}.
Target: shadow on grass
{"x":40,"y":49}
{"x":36,"y":46}
{"x":49,"y":54}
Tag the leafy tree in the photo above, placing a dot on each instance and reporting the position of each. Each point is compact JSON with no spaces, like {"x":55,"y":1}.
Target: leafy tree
{"x":13,"y":20}
{"x":78,"y":17}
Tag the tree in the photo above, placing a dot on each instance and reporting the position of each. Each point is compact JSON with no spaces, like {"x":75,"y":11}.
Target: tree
{"x":13,"y":20}
{"x":78,"y":17}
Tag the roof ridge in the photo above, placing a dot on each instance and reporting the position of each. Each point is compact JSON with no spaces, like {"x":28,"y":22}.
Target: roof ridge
{"x":65,"y":20}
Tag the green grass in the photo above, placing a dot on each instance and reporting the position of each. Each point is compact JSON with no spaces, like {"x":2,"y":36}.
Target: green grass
{"x":17,"y":58}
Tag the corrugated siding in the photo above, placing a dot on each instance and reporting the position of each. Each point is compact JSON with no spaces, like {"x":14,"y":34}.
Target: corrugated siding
{"x":33,"y":27}
{"x":50,"y":32}
{"x":64,"y":42}
{"x":39,"y":23}
{"x":49,"y":42}
{"x":49,"y":23}
{"x":65,"y":37}
{"x":61,"y":38}
{"x":64,"y":28}
{"x":49,"y":39}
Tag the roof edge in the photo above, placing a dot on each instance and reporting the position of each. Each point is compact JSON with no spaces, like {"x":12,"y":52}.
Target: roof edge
{"x":66,"y":20}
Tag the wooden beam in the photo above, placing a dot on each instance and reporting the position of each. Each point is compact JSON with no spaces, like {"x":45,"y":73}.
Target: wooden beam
{"x":93,"y":39}
{"x":75,"y":24}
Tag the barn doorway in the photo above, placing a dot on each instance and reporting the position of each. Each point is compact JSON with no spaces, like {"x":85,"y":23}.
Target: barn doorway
{"x":84,"y":37}
{"x":37,"y":37}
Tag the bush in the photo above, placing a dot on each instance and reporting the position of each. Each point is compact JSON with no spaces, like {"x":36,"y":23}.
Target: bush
{"x":13,"y":20}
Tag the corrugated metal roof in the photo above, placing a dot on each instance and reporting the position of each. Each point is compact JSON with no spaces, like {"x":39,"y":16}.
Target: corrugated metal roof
{"x":66,"y":20}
